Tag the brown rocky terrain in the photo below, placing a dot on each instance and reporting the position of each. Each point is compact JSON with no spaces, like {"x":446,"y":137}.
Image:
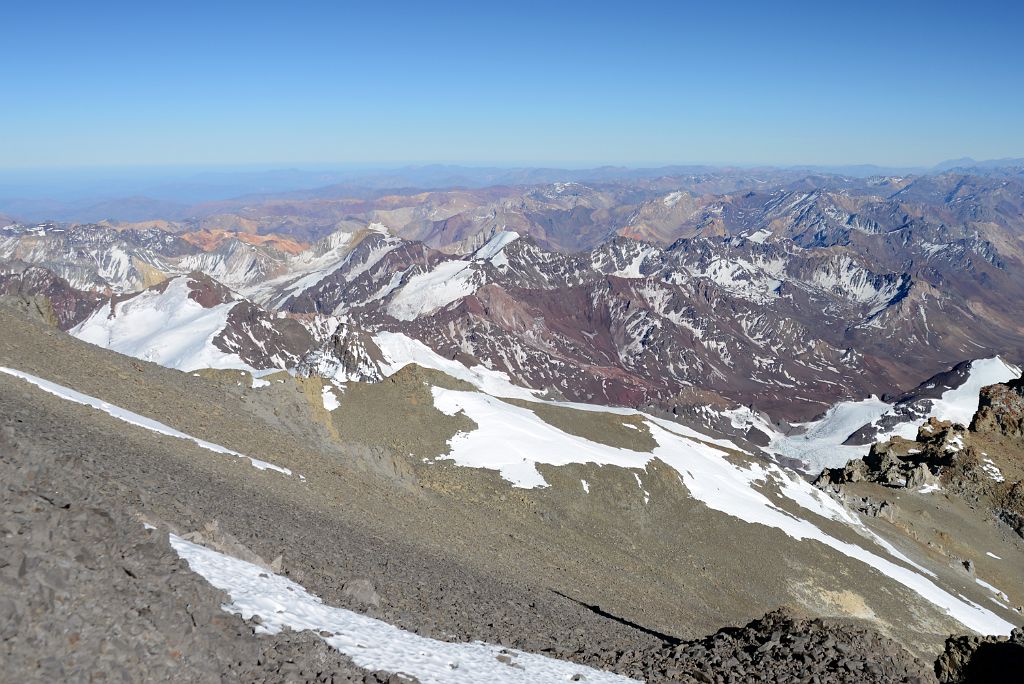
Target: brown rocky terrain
{"x":971,"y":659}
{"x":209,"y":239}
{"x":78,"y":491}
{"x":1001,"y":410}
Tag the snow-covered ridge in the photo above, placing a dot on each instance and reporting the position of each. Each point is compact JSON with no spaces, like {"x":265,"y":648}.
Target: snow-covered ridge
{"x":425,"y":293}
{"x":373,"y":644}
{"x":400,"y":350}
{"x":843,"y":277}
{"x":494,"y":247}
{"x":133,"y":418}
{"x":960,"y":404}
{"x":671,"y":199}
{"x":448,"y":282}
{"x":165,"y":326}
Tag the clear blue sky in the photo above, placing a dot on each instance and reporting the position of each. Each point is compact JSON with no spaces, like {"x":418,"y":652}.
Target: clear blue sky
{"x":160,"y":83}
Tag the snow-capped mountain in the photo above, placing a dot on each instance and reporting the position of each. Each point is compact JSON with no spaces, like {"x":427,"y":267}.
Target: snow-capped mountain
{"x":192,"y":322}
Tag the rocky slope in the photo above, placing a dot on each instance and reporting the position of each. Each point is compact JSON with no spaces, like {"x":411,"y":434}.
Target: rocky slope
{"x":980,"y":659}
{"x":696,"y":317}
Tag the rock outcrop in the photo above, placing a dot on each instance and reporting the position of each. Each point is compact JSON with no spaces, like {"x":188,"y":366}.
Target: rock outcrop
{"x":948,"y":456}
{"x":1001,"y":409}
{"x":976,"y":660}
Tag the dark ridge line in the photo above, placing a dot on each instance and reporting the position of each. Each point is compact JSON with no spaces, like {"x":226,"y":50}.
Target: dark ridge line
{"x":667,"y":638}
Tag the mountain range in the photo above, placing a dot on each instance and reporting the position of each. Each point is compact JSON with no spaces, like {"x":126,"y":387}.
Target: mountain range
{"x":150,"y":194}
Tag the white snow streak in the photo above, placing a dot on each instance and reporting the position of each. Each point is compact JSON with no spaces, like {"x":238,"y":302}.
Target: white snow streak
{"x":134,"y":418}
{"x":425,"y":293}
{"x":495,"y":246}
{"x":372,"y":644}
{"x":400,"y":350}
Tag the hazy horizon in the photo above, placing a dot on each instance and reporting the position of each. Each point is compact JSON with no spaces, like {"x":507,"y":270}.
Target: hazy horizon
{"x":280,"y":166}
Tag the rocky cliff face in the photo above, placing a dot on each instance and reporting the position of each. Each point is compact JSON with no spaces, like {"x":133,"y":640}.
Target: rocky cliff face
{"x":68,"y":305}
{"x":1001,"y":410}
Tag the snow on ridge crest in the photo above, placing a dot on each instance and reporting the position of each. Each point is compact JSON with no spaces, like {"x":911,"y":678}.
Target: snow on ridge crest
{"x":448,"y":281}
{"x":493,"y":247}
{"x":163,"y":325}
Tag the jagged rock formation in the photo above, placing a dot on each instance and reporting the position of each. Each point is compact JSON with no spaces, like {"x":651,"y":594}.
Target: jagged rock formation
{"x":68,"y":305}
{"x":348,"y":354}
{"x":905,"y":463}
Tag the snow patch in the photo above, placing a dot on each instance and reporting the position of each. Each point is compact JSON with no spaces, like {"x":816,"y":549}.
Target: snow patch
{"x":959,"y":405}
{"x":992,"y":470}
{"x":425,"y":293}
{"x":632,"y":269}
{"x":494,"y":249}
{"x":819,"y":444}
{"x":672,"y":199}
{"x":329,"y":398}
{"x":372,"y":644}
{"x":760,"y":236}
{"x":399,"y":350}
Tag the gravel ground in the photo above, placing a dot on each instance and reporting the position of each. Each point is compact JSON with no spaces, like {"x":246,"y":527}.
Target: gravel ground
{"x":88,"y":594}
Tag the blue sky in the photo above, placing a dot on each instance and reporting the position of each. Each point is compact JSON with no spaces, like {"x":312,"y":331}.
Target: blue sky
{"x":221,"y":83}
